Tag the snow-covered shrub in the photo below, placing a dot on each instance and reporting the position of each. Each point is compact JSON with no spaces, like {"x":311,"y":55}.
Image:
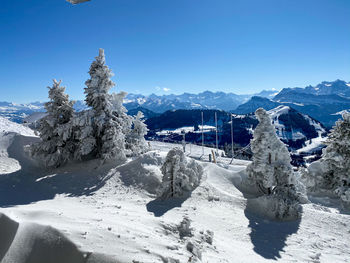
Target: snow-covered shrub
{"x":184,"y":228}
{"x":180,"y":175}
{"x":332,"y":171}
{"x":107,"y":120}
{"x":143,"y":172}
{"x":57,"y":145}
{"x":271,"y":170}
{"x":135,"y":140}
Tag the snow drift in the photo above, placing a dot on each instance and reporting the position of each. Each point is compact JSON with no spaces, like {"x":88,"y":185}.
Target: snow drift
{"x":34,"y":243}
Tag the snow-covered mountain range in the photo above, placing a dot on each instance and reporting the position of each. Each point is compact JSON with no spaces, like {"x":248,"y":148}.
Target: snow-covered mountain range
{"x":323,"y":102}
{"x":337,"y":87}
{"x":150,"y":105}
{"x":204,"y":100}
{"x":18,"y":112}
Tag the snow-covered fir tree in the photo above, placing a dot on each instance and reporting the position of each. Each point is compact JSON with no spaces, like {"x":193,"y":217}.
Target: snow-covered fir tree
{"x":335,"y":160}
{"x":56,"y":146}
{"x":271,"y":159}
{"x":180,"y":176}
{"x":135,"y":141}
{"x":106,"y":136}
{"x":272,"y":172}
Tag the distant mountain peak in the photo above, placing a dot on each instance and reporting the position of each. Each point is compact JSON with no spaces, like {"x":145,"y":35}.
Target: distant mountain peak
{"x":337,"y":87}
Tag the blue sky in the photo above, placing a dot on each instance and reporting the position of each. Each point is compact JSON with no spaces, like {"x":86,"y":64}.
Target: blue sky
{"x":173,"y":46}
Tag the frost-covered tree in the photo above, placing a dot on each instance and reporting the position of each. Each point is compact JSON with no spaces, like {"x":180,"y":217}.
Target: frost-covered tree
{"x":271,"y":160}
{"x":334,"y":166}
{"x":272,"y":172}
{"x":135,"y":141}
{"x":105,"y":138}
{"x":180,"y":175}
{"x":56,"y":146}
{"x":99,"y":84}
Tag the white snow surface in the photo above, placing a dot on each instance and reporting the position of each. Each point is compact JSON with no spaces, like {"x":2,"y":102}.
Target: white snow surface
{"x":186,"y":129}
{"x":9,"y":126}
{"x":111,"y":210}
{"x":8,"y":130}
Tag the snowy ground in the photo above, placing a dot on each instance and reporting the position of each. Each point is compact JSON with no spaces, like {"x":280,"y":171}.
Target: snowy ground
{"x":204,"y":128}
{"x":112,"y":210}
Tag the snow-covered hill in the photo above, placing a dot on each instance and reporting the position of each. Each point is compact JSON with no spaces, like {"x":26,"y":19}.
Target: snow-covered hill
{"x":293,"y":127}
{"x":109,"y":213}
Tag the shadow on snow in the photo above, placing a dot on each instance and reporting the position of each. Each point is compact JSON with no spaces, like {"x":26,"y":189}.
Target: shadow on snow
{"x":32,"y":184}
{"x":159,"y":206}
{"x":269,"y":237}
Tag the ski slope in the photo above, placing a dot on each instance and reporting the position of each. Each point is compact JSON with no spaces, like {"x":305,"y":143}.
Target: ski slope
{"x":110,"y":213}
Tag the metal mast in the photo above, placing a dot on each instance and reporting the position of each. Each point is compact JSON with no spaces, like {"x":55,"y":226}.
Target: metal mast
{"x":216,"y":125}
{"x":231,"y":135}
{"x":202,"y":135}
{"x":183,"y":140}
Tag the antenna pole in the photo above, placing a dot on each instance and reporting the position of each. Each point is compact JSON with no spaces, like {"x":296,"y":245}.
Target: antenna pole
{"x":231,"y":136}
{"x":216,"y":125}
{"x":184,"y":140}
{"x":202,"y":135}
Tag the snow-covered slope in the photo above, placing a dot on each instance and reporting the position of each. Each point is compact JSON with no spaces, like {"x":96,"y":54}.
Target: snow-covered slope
{"x":111,"y":211}
{"x":30,"y":242}
{"x":8,"y":131}
{"x":9,"y":126}
{"x":292,"y":125}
